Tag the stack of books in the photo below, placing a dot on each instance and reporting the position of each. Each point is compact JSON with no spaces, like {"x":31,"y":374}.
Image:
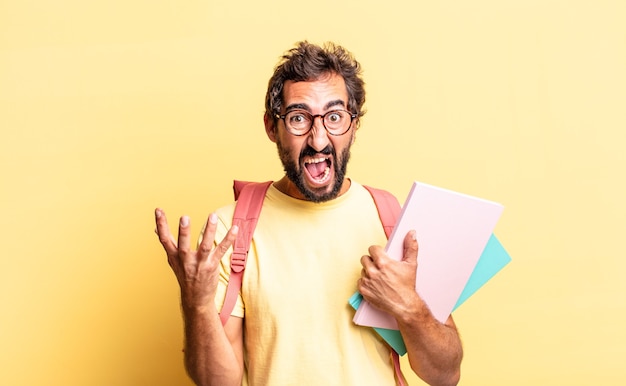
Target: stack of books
{"x":458,"y":253}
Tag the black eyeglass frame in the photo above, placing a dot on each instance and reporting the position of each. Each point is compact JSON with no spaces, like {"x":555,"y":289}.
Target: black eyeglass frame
{"x":323,"y":116}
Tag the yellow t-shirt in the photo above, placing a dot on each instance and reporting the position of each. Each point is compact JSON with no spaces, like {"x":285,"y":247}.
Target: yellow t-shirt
{"x":302,"y":267}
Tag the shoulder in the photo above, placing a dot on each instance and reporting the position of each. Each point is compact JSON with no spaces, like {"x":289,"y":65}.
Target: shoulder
{"x":374,"y":192}
{"x":225,"y":216}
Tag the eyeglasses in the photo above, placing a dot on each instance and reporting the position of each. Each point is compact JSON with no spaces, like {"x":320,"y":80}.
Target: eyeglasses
{"x":300,"y":122}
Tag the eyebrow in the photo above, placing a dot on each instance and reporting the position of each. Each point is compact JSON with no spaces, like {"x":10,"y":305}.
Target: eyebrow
{"x":304,"y":106}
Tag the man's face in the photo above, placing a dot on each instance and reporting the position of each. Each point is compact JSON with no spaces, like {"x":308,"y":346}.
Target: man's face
{"x":314,"y":163}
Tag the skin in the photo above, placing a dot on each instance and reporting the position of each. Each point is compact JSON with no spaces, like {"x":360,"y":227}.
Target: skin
{"x":214,"y":354}
{"x":317,"y":97}
{"x":434,"y":348}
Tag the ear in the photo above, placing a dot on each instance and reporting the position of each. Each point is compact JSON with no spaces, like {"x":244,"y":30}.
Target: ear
{"x":270,"y":127}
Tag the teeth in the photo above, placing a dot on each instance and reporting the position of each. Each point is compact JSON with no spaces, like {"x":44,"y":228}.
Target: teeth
{"x":326,"y":172}
{"x":315,"y":160}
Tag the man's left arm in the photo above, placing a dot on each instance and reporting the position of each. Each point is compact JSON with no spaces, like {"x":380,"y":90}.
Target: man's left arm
{"x":434,"y":348}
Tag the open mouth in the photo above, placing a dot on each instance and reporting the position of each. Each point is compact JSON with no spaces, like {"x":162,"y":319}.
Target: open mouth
{"x":318,"y":169}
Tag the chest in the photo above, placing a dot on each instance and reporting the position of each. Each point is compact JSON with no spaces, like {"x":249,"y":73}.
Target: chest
{"x":307,"y":258}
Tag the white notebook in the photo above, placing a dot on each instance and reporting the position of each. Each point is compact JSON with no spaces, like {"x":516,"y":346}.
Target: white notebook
{"x":452,"y":231}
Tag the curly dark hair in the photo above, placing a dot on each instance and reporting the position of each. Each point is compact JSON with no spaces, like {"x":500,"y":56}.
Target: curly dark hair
{"x":307,"y":62}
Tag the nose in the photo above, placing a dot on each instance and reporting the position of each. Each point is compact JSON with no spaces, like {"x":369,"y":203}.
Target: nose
{"x":318,"y":136}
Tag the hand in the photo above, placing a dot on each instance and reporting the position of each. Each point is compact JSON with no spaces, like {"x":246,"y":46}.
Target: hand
{"x":197,"y":272}
{"x":388,"y":284}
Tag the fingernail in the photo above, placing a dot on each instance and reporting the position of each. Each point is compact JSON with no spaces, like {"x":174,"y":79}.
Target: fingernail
{"x":213,"y":218}
{"x":158,"y":212}
{"x":184,"y":221}
{"x":235,"y":229}
{"x":414,"y":235}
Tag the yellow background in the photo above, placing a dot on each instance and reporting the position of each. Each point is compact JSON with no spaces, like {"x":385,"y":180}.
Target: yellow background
{"x":111,"y":108}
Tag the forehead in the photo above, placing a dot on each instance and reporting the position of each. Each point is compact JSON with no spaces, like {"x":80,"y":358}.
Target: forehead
{"x":316,"y":94}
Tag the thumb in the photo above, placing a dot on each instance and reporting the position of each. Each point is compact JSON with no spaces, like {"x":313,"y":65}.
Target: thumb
{"x":410,"y":248}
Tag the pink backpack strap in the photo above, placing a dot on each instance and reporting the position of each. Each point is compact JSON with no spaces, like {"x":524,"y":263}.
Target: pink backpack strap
{"x":249,"y":196}
{"x":388,"y":208}
{"x":388,"y":211}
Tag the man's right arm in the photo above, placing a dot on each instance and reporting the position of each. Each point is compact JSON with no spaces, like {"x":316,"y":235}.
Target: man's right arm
{"x":213,"y":353}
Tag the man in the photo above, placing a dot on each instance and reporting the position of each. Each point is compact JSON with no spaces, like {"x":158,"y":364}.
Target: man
{"x":292,"y":324}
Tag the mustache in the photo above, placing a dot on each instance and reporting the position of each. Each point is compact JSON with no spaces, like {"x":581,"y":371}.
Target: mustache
{"x":310,"y":152}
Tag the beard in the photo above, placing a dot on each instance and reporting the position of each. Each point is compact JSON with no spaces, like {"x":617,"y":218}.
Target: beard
{"x":295,"y":174}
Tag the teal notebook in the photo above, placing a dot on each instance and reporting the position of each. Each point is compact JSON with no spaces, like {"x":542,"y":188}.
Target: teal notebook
{"x":492,"y":260}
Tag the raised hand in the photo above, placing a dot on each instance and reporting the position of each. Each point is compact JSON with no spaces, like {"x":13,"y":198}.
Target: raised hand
{"x":197,"y":271}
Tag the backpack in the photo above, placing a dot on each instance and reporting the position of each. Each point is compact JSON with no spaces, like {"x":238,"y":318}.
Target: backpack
{"x":249,"y":197}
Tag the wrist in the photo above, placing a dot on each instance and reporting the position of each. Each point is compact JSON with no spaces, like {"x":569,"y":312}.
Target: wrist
{"x":197,"y":307}
{"x":413,"y":310}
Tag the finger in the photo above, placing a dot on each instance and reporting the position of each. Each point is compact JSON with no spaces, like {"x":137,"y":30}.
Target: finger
{"x":163,"y":231}
{"x":227,"y":242}
{"x":208,"y":237}
{"x":360,"y":286}
{"x":183,"y":234}
{"x":377,"y":253}
{"x":410,"y":247}
{"x":366,"y":261}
